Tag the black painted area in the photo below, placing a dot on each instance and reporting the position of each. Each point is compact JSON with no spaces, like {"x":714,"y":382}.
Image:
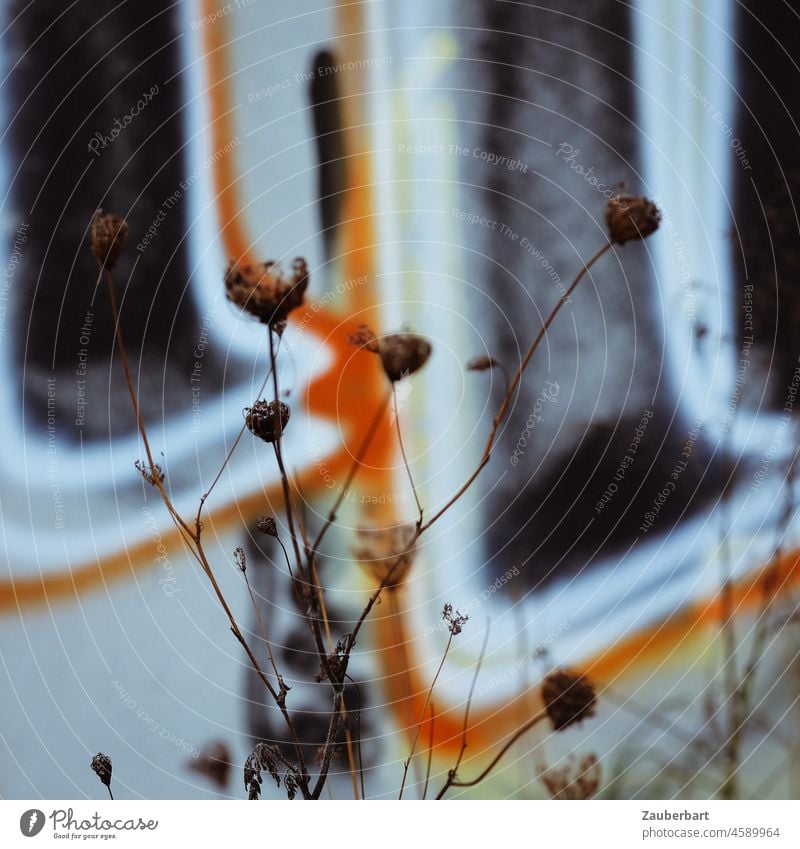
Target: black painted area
{"x":766,"y":180}
{"x":550,"y":74}
{"x":77,"y":72}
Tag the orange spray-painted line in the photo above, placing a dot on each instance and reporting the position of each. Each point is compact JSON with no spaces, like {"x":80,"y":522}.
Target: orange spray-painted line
{"x":347,"y":393}
{"x":632,"y":655}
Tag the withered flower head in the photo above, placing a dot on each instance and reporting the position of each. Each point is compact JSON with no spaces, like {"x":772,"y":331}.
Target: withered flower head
{"x":402,"y":354}
{"x":263,"y":290}
{"x":568,"y":698}
{"x":266,"y":525}
{"x":482,"y":362}
{"x":101,"y":764}
{"x":455,"y":620}
{"x":267,"y":419}
{"x":381,"y":550}
{"x":364,"y":338}
{"x":579,"y":780}
{"x":214,"y":762}
{"x":108,"y":234}
{"x":629,"y":217}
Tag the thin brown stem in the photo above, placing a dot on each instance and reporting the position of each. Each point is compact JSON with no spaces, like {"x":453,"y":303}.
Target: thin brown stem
{"x":465,"y":727}
{"x":310,"y":586}
{"x":396,"y":412}
{"x":487,"y":450}
{"x":279,"y":458}
{"x":740,"y":687}
{"x":192,"y":538}
{"x":254,"y":661}
{"x":316,"y":601}
{"x":452,"y":781}
{"x":430,"y":751}
{"x":358,"y":737}
{"x":263,"y":628}
{"x":504,"y":405}
{"x":204,"y":497}
{"x":155,"y":474}
{"x":422,"y":715}
{"x":354,"y":467}
{"x":329,"y":744}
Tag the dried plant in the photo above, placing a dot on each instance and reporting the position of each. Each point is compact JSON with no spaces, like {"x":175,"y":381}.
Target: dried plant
{"x":574,"y":780}
{"x":380,"y":550}
{"x":629,"y":218}
{"x":568,"y":698}
{"x":107,"y":237}
{"x":263,"y":291}
{"x":101,"y":766}
{"x":214,"y":762}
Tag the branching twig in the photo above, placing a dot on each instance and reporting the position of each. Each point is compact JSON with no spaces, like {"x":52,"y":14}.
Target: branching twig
{"x":454,"y":782}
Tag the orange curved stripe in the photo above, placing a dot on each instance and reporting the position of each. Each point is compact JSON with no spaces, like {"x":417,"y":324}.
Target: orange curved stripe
{"x":632,"y":655}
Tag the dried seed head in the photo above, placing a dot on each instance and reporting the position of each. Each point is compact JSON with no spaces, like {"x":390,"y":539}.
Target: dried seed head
{"x":568,"y":698}
{"x":629,"y":217}
{"x":107,"y":237}
{"x":482,"y":362}
{"x":266,"y":525}
{"x":265,"y":756}
{"x":455,"y":620}
{"x":263,"y":290}
{"x":267,"y":419}
{"x":241,"y":558}
{"x":579,"y":780}
{"x":403,"y":354}
{"x":384,"y":550}
{"x":214,"y":762}
{"x":364,"y":338}
{"x":101,"y":764}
